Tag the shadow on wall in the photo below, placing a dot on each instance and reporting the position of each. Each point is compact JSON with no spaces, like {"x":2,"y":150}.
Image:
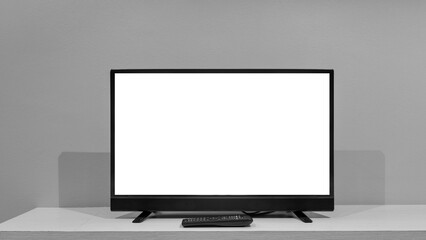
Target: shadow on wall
{"x":359,"y":177}
{"x":84,"y":178}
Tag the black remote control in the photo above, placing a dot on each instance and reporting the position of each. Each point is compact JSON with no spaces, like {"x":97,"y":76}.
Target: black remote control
{"x":218,"y":221}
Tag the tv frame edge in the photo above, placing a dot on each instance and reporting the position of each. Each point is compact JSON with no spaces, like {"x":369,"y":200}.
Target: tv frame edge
{"x":223,"y":202}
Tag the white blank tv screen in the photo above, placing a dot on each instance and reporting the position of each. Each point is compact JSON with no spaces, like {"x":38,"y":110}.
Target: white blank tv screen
{"x":222,"y":134}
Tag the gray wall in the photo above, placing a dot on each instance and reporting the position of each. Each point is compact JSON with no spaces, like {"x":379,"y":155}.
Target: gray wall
{"x":55,"y":57}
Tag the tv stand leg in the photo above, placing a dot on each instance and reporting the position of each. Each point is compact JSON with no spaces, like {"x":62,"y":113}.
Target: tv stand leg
{"x":141,"y":217}
{"x":300,"y":215}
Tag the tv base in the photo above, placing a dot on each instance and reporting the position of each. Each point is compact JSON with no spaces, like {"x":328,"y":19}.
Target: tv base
{"x":298,"y":214}
{"x":141,"y":217}
{"x":302,"y":217}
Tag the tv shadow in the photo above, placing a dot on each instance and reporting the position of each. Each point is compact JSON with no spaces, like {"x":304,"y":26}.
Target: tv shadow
{"x":84,"y":179}
{"x":359,"y":177}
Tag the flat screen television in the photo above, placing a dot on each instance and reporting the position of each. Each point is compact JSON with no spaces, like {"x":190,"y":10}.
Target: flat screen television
{"x":222,"y":140}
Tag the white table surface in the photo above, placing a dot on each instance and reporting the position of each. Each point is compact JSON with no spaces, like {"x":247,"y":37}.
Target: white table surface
{"x":344,"y":218}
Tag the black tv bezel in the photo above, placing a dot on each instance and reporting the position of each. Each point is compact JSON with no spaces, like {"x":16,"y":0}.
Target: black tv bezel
{"x":223,"y":202}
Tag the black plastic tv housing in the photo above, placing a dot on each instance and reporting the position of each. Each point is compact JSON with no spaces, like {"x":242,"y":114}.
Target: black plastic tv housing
{"x":152,"y":203}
